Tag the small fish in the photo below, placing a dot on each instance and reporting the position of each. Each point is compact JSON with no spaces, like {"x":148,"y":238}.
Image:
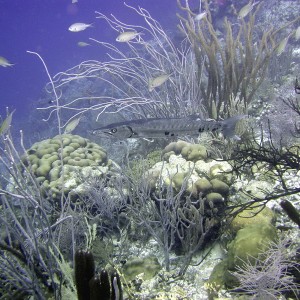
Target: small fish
{"x":72,"y":125}
{"x":127,"y":36}
{"x":82,"y":44}
{"x":157,"y":81}
{"x":245,"y":10}
{"x":297,"y":87}
{"x":4,"y":62}
{"x":6,"y":123}
{"x":168,"y":127}
{"x":76,"y":27}
{"x":201,"y":16}
{"x":282,"y":45}
{"x":74,"y":1}
{"x":297,"y":33}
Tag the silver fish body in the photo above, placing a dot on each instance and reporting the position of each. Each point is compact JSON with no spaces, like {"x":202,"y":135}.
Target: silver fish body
{"x":157,"y":81}
{"x":4,"y":62}
{"x":168,"y":127}
{"x":282,"y":45}
{"x":4,"y":127}
{"x":76,"y":27}
{"x":200,"y":16}
{"x":127,"y":36}
{"x":297,"y":33}
{"x":82,"y":44}
{"x":245,"y":10}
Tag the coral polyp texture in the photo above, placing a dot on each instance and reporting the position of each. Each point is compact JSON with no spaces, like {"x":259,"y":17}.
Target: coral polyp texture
{"x":189,"y":165}
{"x":191,"y":152}
{"x":80,"y":158}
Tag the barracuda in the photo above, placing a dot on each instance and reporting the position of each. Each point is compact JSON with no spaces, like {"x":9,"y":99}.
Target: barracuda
{"x":168,"y":127}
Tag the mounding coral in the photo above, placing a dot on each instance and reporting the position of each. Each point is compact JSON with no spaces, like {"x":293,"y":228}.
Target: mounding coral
{"x":80,"y":158}
{"x":254,"y":233}
{"x":188,"y":165}
{"x":191,"y":152}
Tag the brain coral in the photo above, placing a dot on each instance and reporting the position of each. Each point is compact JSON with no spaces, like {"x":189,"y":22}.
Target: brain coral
{"x":80,"y":158}
{"x":197,"y":174}
{"x":191,"y":152}
{"x":190,"y":164}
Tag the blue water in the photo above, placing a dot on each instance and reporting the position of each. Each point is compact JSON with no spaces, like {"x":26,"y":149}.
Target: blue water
{"x":42,"y":26}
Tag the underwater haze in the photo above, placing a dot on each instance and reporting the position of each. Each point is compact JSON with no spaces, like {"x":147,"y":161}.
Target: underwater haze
{"x":42,"y":27}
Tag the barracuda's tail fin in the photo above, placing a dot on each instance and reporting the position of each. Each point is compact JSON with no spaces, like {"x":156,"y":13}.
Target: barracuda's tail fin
{"x":228,"y":127}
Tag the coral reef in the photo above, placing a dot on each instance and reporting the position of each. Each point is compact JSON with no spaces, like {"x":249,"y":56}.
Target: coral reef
{"x":253,"y":232}
{"x":188,"y":165}
{"x":161,"y":216}
{"x":148,"y":266}
{"x":271,"y":275}
{"x":249,"y":242}
{"x":92,"y":286}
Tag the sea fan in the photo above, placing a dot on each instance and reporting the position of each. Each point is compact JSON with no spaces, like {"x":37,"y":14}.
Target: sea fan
{"x":271,"y":275}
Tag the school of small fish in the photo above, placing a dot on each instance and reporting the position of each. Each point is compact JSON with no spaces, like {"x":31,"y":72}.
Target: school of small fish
{"x":127,"y":36}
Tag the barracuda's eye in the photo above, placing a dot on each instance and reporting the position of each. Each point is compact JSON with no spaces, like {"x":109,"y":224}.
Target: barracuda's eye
{"x":114,"y":130}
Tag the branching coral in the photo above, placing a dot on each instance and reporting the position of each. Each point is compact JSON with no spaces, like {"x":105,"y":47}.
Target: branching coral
{"x":276,"y":161}
{"x":29,"y":245}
